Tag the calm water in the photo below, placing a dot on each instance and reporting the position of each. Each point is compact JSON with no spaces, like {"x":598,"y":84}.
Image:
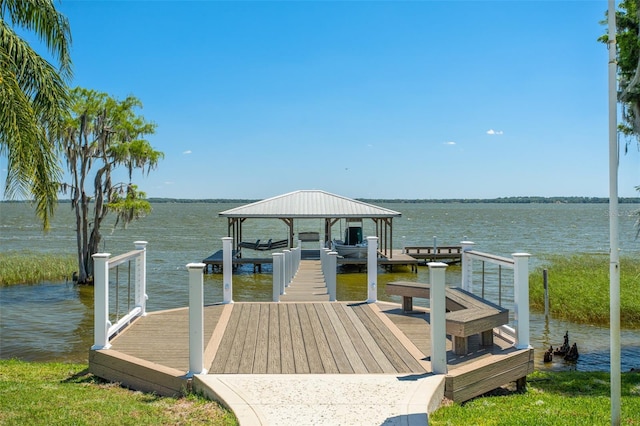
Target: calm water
{"x":55,"y":321}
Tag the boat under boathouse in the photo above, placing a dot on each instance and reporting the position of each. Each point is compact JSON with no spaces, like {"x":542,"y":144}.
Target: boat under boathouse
{"x":309,"y":204}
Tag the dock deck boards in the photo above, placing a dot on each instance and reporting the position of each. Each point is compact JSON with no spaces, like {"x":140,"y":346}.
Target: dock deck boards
{"x":301,"y":337}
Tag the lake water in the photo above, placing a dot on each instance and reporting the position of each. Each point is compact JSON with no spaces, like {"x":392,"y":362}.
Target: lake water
{"x":54,"y":321}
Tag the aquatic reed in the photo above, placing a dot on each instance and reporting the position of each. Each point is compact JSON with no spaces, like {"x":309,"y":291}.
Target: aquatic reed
{"x":579,"y":289}
{"x":23,"y":267}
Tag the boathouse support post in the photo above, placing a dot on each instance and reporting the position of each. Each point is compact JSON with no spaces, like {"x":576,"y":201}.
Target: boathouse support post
{"x":141,"y":277}
{"x":196,"y":319}
{"x":277,"y":276}
{"x":521,"y":299}
{"x":101,"y":301}
{"x":438,"y":309}
{"x":372,"y":269}
{"x":227,"y":270}
{"x":330,"y":275}
{"x":467,"y":265}
{"x":287,"y":267}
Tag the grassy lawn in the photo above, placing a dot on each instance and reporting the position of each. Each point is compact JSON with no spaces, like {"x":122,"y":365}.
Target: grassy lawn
{"x":587,"y":276}
{"x":552,"y":399}
{"x":64,"y":394}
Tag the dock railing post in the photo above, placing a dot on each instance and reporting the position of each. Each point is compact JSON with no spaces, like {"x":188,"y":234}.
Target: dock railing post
{"x":330,"y":275}
{"x":277,"y":276}
{"x":141,"y":277}
{"x":467,"y":265}
{"x":227,"y":270}
{"x":287,"y":267}
{"x":438,"y":310}
{"x":101,"y":322}
{"x":521,"y":299}
{"x":196,"y":319}
{"x":323,"y":260}
{"x":283,"y":283}
{"x":372,"y":269}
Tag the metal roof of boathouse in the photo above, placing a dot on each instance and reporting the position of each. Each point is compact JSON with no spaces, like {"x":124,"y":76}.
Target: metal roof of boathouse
{"x":309,"y":204}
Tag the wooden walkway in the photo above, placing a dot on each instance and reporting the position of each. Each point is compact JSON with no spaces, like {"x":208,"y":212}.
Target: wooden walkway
{"x":300,"y":337}
{"x":308,"y":285}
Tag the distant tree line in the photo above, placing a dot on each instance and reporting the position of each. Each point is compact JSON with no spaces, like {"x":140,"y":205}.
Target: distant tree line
{"x":501,"y":200}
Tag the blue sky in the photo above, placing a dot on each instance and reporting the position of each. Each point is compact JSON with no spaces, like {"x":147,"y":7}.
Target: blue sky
{"x":385,"y":99}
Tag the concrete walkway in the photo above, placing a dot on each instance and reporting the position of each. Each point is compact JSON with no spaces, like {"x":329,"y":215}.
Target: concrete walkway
{"x":325,"y":399}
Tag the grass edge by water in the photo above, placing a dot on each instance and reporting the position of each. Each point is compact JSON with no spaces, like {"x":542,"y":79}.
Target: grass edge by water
{"x":64,"y":393}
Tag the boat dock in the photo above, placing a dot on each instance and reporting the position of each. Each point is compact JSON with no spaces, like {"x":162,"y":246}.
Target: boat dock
{"x":332,"y":351}
{"x":408,"y":257}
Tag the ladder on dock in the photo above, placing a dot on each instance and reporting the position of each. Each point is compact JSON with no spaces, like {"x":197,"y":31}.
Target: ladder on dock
{"x":308,"y":285}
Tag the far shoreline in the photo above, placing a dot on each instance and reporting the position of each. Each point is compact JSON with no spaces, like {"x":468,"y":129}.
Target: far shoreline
{"x":499,"y":200}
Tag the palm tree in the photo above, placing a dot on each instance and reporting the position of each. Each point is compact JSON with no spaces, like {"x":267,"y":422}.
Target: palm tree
{"x":33,"y":99}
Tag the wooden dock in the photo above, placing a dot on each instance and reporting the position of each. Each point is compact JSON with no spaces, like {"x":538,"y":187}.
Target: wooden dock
{"x":398,"y":258}
{"x":300,"y":336}
{"x":446,"y":254}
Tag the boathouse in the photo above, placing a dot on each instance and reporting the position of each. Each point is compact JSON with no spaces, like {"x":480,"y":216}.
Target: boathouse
{"x":312,"y":204}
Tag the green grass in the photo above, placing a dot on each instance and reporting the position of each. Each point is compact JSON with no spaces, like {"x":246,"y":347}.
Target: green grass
{"x":64,"y":394}
{"x":553,"y":399}
{"x":579,"y":289}
{"x":23,"y":267}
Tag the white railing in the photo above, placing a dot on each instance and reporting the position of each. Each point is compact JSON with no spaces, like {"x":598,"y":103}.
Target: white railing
{"x":107,"y":288}
{"x":519,"y":264}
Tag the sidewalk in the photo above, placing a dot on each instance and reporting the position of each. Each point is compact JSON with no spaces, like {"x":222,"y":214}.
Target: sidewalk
{"x":325,"y":399}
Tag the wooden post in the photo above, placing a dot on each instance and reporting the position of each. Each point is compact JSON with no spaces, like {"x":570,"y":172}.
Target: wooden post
{"x":437,"y":304}
{"x":277,"y":276}
{"x":196,"y":319}
{"x":521,"y":298}
{"x":140,"y":295}
{"x":330,"y":278}
{"x":101,"y":322}
{"x":372,"y":269}
{"x":467,"y":265}
{"x":227,"y":270}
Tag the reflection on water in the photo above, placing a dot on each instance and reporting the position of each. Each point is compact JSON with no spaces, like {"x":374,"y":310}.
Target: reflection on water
{"x":55,"y":321}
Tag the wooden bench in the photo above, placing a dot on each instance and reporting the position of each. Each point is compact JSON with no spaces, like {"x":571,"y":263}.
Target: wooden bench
{"x":467,"y":314}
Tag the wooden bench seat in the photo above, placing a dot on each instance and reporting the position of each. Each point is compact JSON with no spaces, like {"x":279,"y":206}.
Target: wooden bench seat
{"x":467,"y":314}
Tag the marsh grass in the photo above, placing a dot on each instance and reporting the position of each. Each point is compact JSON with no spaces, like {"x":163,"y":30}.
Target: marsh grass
{"x":65,"y":394}
{"x":579,"y":289}
{"x":553,"y":399}
{"x":23,"y":267}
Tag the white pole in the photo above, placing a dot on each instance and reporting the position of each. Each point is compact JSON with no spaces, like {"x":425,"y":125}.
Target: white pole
{"x":141,"y":277}
{"x":521,"y":299}
{"x":227,"y":270}
{"x":614,"y":263}
{"x":277,"y":278}
{"x":372,"y":269}
{"x":101,"y":301}
{"x":287,"y":267}
{"x":196,"y":319}
{"x":283,"y":282}
{"x":437,"y":314}
{"x":330,"y":277}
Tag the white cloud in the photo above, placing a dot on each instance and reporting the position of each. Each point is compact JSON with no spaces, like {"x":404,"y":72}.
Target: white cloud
{"x":494,"y":132}
{"x":449,"y":143}
{"x":187,"y":152}
{"x":168,"y":183}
